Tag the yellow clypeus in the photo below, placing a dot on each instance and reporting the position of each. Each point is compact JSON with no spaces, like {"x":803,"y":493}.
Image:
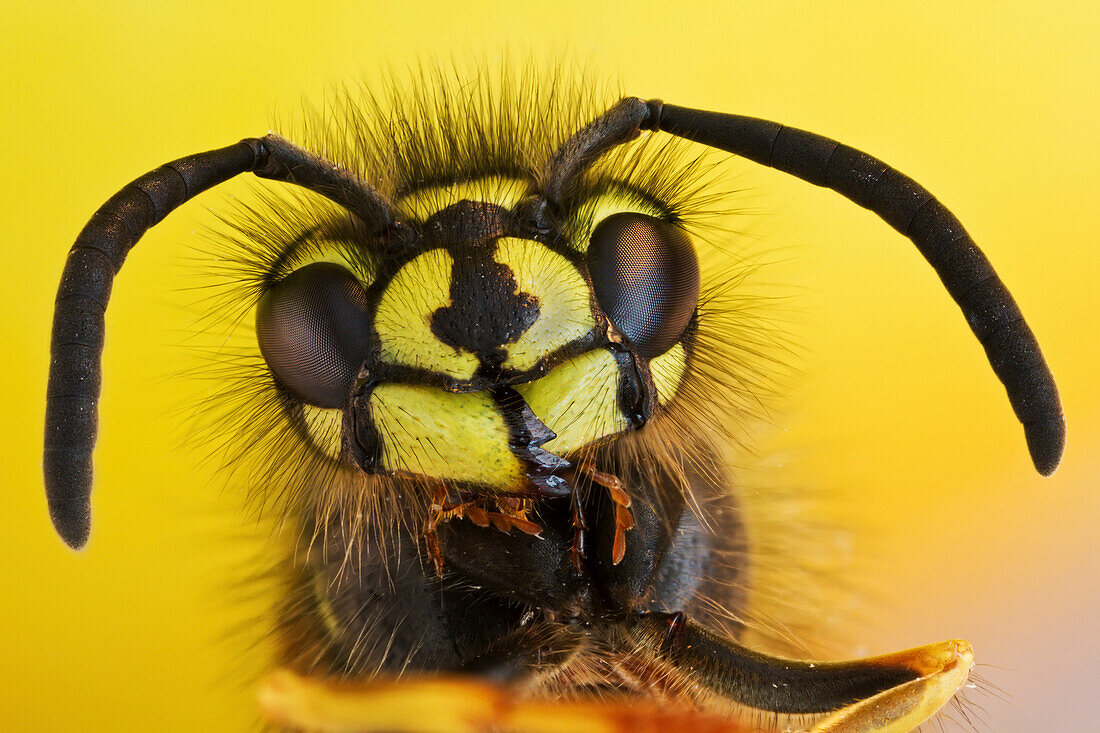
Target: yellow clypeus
{"x":431,"y":432}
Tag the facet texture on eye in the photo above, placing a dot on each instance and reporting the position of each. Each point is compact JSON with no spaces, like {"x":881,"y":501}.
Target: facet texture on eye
{"x":314,"y":332}
{"x":646,"y":278}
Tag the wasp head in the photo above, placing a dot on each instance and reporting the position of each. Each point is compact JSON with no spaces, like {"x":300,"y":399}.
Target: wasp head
{"x":476,"y":345}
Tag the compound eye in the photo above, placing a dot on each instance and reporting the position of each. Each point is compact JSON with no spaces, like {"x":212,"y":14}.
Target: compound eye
{"x":314,"y":332}
{"x":646,"y":278}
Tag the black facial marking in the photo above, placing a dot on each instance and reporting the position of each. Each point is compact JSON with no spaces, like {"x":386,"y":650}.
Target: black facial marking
{"x":486,"y":312}
{"x":467,"y":222}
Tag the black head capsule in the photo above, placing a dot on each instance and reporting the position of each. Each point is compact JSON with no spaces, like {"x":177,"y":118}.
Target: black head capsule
{"x":314,"y":332}
{"x":646,"y":278}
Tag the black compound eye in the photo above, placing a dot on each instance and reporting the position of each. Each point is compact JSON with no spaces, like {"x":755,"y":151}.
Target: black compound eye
{"x":314,"y":332}
{"x":646,"y":277}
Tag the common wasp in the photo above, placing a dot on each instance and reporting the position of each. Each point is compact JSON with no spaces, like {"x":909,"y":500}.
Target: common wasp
{"x":491,"y":384}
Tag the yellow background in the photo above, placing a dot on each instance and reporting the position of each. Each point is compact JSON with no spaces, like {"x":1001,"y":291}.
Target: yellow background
{"x":993,"y":106}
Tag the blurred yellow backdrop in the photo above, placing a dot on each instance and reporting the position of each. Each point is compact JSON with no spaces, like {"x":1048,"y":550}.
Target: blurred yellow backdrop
{"x":994,"y":107}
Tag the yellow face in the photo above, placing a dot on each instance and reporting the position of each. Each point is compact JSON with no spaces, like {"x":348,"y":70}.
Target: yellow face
{"x":480,"y":344}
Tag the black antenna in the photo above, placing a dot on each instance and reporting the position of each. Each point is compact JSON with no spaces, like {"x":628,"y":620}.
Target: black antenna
{"x":102,"y":246}
{"x":900,"y":201}
{"x":76,"y":346}
{"x":908,"y":207}
{"x":617,"y":125}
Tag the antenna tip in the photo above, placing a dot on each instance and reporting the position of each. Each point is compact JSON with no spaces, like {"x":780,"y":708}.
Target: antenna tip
{"x":68,"y":474}
{"x":73,"y":522}
{"x":1046,"y":440}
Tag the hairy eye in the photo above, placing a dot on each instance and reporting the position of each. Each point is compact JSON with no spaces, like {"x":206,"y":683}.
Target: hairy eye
{"x":646,"y":278}
{"x":314,"y":332}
